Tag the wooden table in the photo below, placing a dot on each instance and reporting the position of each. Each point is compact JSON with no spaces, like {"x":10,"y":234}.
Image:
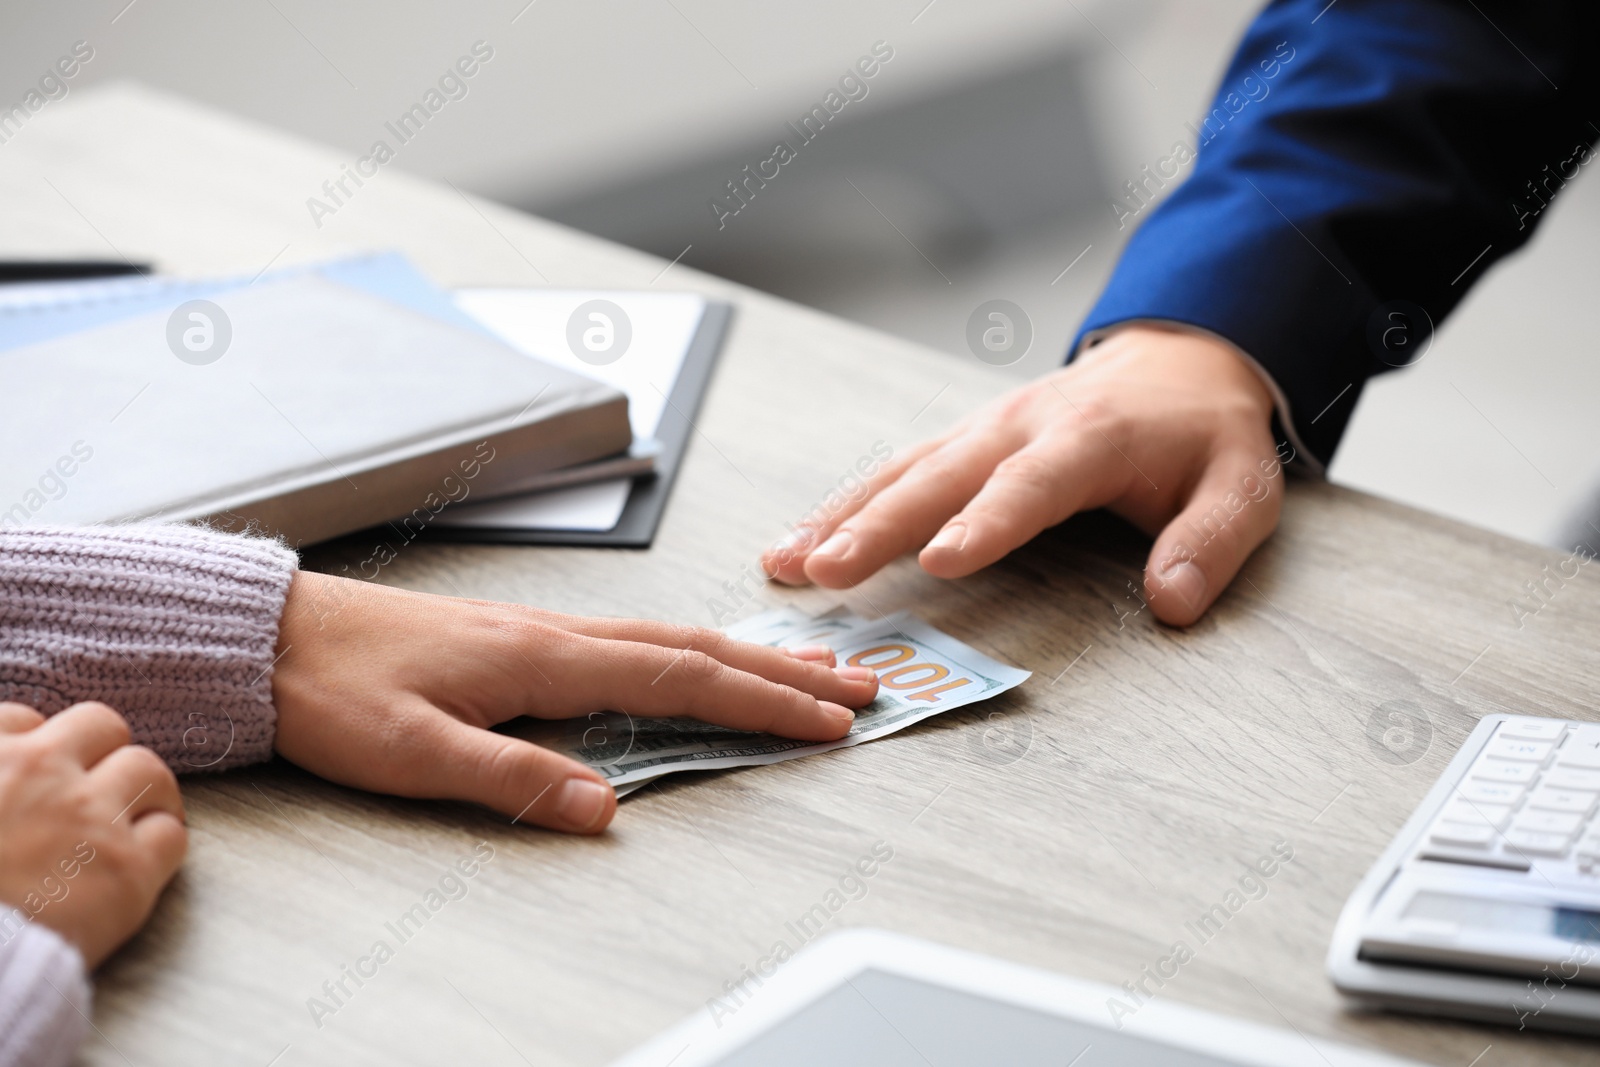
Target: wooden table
{"x":1075,"y":824}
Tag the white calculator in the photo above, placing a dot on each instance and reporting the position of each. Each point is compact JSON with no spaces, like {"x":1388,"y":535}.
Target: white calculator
{"x":1487,"y":903}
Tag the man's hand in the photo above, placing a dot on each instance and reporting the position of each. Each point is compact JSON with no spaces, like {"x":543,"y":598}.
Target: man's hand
{"x":395,"y":692}
{"x":1170,"y":430}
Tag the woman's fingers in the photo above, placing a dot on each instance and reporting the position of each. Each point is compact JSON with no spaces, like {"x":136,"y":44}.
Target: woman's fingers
{"x":813,"y":653}
{"x":786,"y":560}
{"x":18,"y":718}
{"x":523,"y":781}
{"x":413,"y":748}
{"x":812,"y":672}
{"x":907,"y":514}
{"x":650,"y":680}
{"x":135,"y":781}
{"x":1234,"y":507}
{"x":854,"y":687}
{"x":90,"y":732}
{"x":163,"y":841}
{"x":1043,"y":484}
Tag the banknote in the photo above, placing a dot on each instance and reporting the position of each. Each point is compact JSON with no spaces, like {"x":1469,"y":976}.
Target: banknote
{"x":921,"y":672}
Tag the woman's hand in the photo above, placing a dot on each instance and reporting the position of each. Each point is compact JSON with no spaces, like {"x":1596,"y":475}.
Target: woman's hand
{"x":394,"y":691}
{"x":91,"y":828}
{"x":1170,"y":430}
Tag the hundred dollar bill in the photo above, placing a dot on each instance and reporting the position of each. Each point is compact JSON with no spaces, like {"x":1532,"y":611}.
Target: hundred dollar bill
{"x":921,"y":672}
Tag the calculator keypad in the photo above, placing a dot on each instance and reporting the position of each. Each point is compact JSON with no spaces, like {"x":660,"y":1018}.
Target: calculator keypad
{"x":1530,"y":796}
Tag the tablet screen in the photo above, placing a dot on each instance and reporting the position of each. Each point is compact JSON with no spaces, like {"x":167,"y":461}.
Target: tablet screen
{"x":889,"y":1020}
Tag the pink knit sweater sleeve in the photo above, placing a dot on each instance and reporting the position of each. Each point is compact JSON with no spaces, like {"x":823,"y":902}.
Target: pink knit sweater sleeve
{"x":173,"y":626}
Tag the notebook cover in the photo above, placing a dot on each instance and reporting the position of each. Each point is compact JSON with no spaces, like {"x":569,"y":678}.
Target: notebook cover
{"x":331,"y":409}
{"x":647,"y":501}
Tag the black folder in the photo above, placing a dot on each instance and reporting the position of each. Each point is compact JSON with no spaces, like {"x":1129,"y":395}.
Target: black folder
{"x":647,"y":500}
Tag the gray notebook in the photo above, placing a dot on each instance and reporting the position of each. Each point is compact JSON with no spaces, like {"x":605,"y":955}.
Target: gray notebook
{"x":330,"y":410}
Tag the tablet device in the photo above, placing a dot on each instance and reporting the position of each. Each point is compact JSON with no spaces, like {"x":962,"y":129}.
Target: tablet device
{"x":866,"y":997}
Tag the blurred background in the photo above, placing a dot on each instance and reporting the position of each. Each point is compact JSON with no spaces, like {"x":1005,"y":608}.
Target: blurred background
{"x":978,"y":161}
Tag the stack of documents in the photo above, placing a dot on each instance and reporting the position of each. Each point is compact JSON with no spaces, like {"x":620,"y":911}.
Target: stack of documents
{"x":316,"y":401}
{"x":664,"y":328}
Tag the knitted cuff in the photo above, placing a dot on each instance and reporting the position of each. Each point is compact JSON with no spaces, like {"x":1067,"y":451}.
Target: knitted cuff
{"x":173,"y":626}
{"x":44,"y":995}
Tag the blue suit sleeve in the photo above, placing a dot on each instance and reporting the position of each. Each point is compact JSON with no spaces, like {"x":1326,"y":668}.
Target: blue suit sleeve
{"x":1362,"y":160}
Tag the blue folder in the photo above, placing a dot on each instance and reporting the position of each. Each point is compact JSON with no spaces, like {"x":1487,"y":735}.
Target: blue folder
{"x":388,"y":275}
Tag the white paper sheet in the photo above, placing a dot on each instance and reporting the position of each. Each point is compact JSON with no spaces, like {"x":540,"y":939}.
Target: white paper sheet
{"x":596,"y":506}
{"x":534,"y":321}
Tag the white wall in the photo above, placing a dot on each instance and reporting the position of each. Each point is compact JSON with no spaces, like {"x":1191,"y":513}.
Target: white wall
{"x":577,"y":94}
{"x":1496,"y":427}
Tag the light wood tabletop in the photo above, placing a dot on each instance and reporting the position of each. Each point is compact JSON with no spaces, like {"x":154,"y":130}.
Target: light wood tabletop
{"x":1076,"y":823}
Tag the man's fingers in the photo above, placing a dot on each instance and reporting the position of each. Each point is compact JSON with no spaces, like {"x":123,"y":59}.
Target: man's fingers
{"x":18,"y":718}
{"x":526,"y":783}
{"x":90,"y":732}
{"x":786,"y":560}
{"x":1031,"y":490}
{"x":649,"y":680}
{"x":908,"y":513}
{"x":134,"y":781}
{"x":1232,"y":510}
{"x":812,"y":672}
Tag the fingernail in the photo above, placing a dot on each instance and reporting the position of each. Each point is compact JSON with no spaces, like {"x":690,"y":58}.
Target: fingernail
{"x":839,"y":711}
{"x":1188,"y":581}
{"x":581,"y":802}
{"x":953,"y":537}
{"x":784,"y":551}
{"x":798,"y":537}
{"x":837,"y":547}
{"x":813,"y":653}
{"x":856,"y":674}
